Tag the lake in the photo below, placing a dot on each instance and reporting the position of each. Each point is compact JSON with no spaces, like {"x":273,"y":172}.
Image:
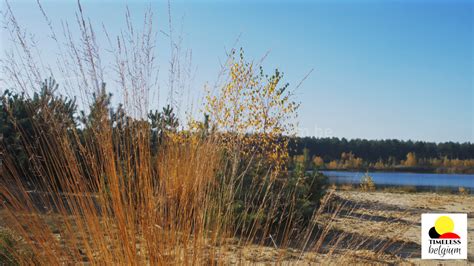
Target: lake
{"x":429,"y":182}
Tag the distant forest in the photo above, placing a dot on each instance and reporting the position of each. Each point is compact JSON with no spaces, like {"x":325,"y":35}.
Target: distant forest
{"x":391,"y":154}
{"x":373,"y":150}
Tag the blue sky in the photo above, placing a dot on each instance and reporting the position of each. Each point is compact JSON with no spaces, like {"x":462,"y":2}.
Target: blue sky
{"x":382,"y":69}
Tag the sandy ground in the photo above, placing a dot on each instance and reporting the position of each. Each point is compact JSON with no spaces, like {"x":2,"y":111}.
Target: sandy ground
{"x":398,"y":216}
{"x":377,"y":228}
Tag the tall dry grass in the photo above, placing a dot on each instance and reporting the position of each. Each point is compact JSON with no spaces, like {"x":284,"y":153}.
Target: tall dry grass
{"x":102,"y":196}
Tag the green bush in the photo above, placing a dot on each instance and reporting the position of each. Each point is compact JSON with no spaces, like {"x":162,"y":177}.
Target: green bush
{"x":291,"y":199}
{"x":308,"y":187}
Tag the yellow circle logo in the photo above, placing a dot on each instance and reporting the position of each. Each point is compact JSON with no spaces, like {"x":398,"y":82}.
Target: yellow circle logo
{"x":444,"y":224}
{"x":443,"y":228}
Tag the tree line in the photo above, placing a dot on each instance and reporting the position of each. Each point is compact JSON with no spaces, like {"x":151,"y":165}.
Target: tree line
{"x":390,"y":154}
{"x":374,"y":150}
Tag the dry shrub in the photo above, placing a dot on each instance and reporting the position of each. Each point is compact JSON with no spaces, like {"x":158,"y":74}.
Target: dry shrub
{"x":463,"y":191}
{"x":366,"y":183}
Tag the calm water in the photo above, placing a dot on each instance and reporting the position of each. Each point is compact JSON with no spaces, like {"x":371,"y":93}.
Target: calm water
{"x":426,"y":181}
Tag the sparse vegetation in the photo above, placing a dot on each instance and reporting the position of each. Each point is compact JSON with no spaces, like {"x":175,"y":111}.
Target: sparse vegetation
{"x":463,"y":191}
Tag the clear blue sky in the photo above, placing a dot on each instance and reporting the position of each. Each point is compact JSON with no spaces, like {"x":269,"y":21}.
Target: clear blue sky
{"x":382,"y":69}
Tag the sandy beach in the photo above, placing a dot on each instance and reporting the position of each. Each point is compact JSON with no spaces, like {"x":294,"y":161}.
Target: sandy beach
{"x":397,"y":216}
{"x":381,"y":228}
